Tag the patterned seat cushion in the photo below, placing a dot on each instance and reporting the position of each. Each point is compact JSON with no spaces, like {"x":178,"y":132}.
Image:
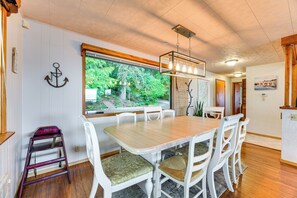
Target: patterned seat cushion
{"x":124,"y":167}
{"x":176,"y":167}
{"x":200,"y":149}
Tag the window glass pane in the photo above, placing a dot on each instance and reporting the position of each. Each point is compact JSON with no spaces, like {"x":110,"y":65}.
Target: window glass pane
{"x":116,"y":87}
{"x":203,"y":92}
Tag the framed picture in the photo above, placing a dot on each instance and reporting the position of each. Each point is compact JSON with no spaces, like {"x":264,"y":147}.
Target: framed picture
{"x":265,"y":83}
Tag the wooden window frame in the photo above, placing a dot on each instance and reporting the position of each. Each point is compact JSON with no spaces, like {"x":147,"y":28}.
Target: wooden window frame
{"x":87,"y":47}
{"x":2,"y":74}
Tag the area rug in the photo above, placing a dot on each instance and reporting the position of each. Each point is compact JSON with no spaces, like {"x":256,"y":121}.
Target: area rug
{"x":170,"y":188}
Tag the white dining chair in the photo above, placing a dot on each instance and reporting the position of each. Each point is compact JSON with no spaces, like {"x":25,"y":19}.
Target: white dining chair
{"x":125,"y":116}
{"x":215,"y":112}
{"x":236,"y":155}
{"x":152,"y":113}
{"x":224,"y":147}
{"x":168,"y":113}
{"x":187,"y":170}
{"x":118,"y":171}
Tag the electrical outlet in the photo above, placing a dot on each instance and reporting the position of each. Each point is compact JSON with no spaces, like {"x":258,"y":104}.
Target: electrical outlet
{"x":76,"y":149}
{"x":294,"y":117}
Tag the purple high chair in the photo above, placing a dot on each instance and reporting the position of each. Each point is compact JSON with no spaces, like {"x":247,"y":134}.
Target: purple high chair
{"x":55,"y":140}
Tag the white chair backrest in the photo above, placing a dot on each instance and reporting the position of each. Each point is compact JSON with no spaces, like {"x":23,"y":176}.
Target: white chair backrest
{"x":152,"y":113}
{"x":93,"y":152}
{"x":240,"y":137}
{"x":200,"y":162}
{"x":126,"y":115}
{"x":168,"y":113}
{"x":226,"y":137}
{"x":216,"y":112}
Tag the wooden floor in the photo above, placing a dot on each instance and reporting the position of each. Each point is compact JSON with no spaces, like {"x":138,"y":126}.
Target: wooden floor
{"x":265,"y":177}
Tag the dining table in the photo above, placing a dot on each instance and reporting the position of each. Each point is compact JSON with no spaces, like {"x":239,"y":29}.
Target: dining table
{"x":150,"y":138}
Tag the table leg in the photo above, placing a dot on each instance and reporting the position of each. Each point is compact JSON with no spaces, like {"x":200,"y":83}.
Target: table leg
{"x":156,"y":159}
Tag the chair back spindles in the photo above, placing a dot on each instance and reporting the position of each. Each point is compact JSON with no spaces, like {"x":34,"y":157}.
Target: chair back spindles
{"x":121,"y":116}
{"x":168,"y":113}
{"x":200,"y":162}
{"x":215,"y":112}
{"x":93,"y":151}
{"x":152,"y":113}
{"x":225,"y":145}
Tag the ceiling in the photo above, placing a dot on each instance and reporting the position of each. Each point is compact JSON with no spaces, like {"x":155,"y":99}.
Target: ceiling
{"x":248,"y":30}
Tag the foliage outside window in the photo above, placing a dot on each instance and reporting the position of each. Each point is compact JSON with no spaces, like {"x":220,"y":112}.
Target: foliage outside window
{"x":112,"y":87}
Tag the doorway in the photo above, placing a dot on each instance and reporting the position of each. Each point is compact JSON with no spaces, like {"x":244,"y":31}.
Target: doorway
{"x":220,"y":93}
{"x":236,"y":97}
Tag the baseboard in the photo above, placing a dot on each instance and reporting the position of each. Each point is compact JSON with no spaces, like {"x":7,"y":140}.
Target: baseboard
{"x":262,"y":146}
{"x":263,"y":135}
{"x":288,"y":162}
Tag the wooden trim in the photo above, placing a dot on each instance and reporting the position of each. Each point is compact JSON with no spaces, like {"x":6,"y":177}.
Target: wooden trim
{"x":109,"y":154}
{"x":86,"y":47}
{"x":288,"y":108}
{"x":224,"y":93}
{"x":288,"y":162}
{"x":262,"y":146}
{"x":3,"y":118}
{"x":287,"y":74}
{"x":5,"y":136}
{"x":289,"y":40}
{"x":83,"y":53}
{"x":263,"y":135}
{"x":233,"y":96}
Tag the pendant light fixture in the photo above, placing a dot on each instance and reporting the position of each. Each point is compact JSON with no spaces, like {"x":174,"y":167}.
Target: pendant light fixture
{"x":177,"y":64}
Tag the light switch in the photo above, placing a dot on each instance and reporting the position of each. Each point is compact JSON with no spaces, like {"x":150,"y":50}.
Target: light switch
{"x":294,"y":117}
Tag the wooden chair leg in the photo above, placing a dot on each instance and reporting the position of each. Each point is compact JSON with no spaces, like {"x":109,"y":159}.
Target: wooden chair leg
{"x":239,"y":162}
{"x":94,"y":187}
{"x":233,"y":160}
{"x":204,"y":187}
{"x":211,"y":184}
{"x":149,"y":187}
{"x":227,"y":176}
{"x":186,"y":191}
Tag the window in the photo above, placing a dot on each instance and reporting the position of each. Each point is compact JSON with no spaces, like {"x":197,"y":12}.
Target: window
{"x":114,"y":85}
{"x":203,"y":92}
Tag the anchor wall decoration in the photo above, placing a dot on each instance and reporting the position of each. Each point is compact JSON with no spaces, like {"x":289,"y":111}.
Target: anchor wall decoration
{"x":56,"y":74}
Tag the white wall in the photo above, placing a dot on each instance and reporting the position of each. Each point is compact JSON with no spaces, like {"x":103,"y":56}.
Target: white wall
{"x":10,"y":167}
{"x":265,"y":115}
{"x":211,"y":77}
{"x":44,"y":105}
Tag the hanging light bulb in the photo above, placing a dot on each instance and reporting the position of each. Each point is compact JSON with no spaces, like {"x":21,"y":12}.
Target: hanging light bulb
{"x":170,"y":65}
{"x":120,"y":82}
{"x":184,"y":68}
{"x":125,"y":83}
{"x":190,"y":70}
{"x":110,"y":82}
{"x":177,"y":66}
{"x":195,"y":71}
{"x":115,"y":82}
{"x":129,"y":84}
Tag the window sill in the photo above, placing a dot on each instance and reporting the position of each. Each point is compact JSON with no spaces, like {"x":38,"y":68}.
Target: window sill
{"x":5,"y":136}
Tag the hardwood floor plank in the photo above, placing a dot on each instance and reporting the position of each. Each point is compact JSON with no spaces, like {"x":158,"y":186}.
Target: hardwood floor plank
{"x":265,"y":177}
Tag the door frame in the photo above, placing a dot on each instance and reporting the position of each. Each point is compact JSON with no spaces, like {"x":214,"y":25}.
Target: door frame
{"x":224,"y":92}
{"x":233,"y":96}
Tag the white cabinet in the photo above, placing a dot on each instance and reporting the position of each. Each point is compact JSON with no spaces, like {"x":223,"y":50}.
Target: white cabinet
{"x":289,"y":135}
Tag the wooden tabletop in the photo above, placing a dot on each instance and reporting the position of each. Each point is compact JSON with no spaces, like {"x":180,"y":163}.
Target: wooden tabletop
{"x":145,"y":137}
